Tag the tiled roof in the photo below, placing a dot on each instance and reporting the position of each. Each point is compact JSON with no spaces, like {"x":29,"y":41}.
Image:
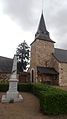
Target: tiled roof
{"x":5,"y":65}
{"x":60,"y":55}
{"x":42,"y":32}
{"x":47,"y":70}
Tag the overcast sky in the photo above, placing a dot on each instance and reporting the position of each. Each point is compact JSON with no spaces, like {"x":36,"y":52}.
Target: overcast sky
{"x":19,"y":21}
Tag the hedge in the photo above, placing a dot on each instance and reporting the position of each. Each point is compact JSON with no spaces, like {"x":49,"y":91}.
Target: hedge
{"x":52,"y":100}
{"x":53,"y":103}
{"x":25,"y":87}
{"x":4,"y":87}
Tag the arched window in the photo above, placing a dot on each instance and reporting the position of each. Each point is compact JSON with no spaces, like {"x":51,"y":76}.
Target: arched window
{"x":32,"y":75}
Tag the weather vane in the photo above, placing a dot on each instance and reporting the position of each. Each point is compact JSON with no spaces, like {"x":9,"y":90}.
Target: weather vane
{"x":42,"y":5}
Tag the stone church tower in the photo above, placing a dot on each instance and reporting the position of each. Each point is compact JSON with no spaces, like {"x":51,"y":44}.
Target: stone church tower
{"x":41,"y":52}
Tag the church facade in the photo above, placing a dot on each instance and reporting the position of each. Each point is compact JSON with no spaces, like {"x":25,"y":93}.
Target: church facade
{"x":47,"y":64}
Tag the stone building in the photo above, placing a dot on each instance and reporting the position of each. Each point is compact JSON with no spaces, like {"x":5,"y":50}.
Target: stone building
{"x":5,"y":69}
{"x":6,"y":65}
{"x":47,"y":64}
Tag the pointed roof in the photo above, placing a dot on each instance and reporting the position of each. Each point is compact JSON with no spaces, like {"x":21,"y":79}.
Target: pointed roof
{"x":42,"y":26}
{"x":42,"y":32}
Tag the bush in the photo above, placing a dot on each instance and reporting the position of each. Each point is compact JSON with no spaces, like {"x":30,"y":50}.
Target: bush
{"x":52,"y":100}
{"x":4,"y":87}
{"x":24,"y":87}
{"x":21,"y":87}
{"x":53,"y":103}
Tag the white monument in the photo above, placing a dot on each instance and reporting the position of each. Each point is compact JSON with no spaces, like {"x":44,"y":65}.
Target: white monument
{"x":12,"y":93}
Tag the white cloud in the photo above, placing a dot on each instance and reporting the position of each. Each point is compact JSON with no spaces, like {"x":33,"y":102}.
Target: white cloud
{"x":19,"y":20}
{"x":10,"y":36}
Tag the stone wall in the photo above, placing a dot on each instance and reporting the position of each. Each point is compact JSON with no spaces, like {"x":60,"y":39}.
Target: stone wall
{"x":61,"y":68}
{"x":41,"y":52}
{"x":63,"y":74}
{"x":48,"y":79}
{"x":41,"y":55}
{"x":33,"y":61}
{"x":33,"y":55}
{"x":54,"y":63}
{"x":4,"y":78}
{"x":44,"y":52}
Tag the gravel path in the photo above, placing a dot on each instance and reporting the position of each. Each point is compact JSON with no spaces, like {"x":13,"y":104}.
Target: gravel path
{"x":27,"y":109}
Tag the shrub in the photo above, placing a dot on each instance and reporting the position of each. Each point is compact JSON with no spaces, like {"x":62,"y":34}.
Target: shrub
{"x":26,"y":87}
{"x":53,"y":103}
{"x":52,"y":100}
{"x":4,"y":87}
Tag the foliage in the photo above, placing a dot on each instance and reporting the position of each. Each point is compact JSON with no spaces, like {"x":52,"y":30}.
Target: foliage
{"x":52,"y":100}
{"x":24,"y":87}
{"x":4,"y":87}
{"x":53,"y":103}
{"x":23,"y":53}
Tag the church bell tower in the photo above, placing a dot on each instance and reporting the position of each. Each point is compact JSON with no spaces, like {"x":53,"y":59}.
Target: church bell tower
{"x":41,"y":49}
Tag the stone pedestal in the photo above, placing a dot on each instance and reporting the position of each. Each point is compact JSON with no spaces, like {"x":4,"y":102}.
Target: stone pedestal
{"x":12,"y":94}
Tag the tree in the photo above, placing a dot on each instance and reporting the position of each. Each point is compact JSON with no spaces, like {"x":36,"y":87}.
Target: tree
{"x":23,"y":53}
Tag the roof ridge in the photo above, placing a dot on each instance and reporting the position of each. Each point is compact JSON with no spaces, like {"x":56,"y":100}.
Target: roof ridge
{"x":60,"y":49}
{"x":5,"y":57}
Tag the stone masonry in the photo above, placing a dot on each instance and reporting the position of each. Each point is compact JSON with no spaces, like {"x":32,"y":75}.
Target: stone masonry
{"x":4,"y":78}
{"x":45,"y":56}
{"x":40,"y":54}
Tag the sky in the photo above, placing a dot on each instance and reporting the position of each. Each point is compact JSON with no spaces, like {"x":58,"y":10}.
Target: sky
{"x":19,"y":20}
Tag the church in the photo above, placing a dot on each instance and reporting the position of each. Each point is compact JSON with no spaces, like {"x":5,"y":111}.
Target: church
{"x":48,"y":64}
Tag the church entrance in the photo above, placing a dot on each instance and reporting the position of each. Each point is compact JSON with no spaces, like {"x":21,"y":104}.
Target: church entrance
{"x":32,"y":75}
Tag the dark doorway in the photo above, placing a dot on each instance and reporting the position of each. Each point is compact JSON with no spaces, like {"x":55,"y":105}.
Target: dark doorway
{"x":32,"y":75}
{"x":24,"y":77}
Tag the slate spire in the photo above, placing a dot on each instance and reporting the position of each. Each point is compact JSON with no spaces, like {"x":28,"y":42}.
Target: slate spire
{"x":42,"y":32}
{"x":42,"y":26}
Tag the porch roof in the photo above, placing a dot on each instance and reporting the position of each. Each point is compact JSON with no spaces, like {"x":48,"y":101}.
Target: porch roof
{"x":47,"y":70}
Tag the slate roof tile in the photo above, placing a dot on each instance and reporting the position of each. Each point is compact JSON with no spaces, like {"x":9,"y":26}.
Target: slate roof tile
{"x":5,"y":65}
{"x":42,"y":32}
{"x":60,"y":55}
{"x":47,"y":70}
